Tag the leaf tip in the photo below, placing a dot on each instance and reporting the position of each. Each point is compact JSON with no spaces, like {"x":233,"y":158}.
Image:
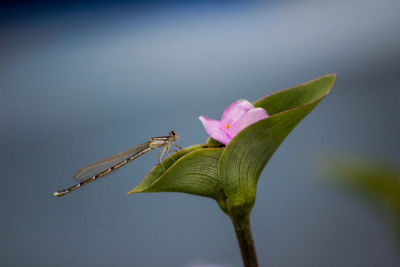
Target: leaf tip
{"x":134,"y":191}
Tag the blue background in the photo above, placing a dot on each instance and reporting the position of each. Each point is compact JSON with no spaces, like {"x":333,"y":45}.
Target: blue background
{"x":80,"y":82}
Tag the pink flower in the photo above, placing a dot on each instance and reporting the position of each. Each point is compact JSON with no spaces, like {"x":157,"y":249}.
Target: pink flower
{"x":235,"y":118}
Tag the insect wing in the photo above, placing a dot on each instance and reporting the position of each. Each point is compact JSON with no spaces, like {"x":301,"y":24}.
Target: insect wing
{"x":102,"y":165}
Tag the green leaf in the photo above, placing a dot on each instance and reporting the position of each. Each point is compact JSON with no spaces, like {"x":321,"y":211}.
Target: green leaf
{"x":158,"y":170}
{"x":247,"y":154}
{"x":194,"y":172}
{"x":212,"y":141}
{"x":230,"y":174}
{"x":296,"y":96}
{"x":286,"y":99}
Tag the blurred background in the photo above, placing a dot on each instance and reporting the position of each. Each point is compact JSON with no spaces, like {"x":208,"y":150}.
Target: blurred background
{"x":83,"y":80}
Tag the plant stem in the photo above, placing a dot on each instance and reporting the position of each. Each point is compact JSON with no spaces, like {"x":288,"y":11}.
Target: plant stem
{"x":245,"y":239}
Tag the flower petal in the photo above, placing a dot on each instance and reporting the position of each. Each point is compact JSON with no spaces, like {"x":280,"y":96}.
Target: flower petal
{"x":247,"y":119}
{"x":235,"y":110}
{"x":213,"y":128}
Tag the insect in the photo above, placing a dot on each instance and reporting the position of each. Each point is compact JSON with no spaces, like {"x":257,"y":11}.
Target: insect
{"x":98,"y":169}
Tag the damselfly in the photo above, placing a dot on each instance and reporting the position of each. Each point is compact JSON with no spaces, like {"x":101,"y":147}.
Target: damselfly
{"x":98,"y":169}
